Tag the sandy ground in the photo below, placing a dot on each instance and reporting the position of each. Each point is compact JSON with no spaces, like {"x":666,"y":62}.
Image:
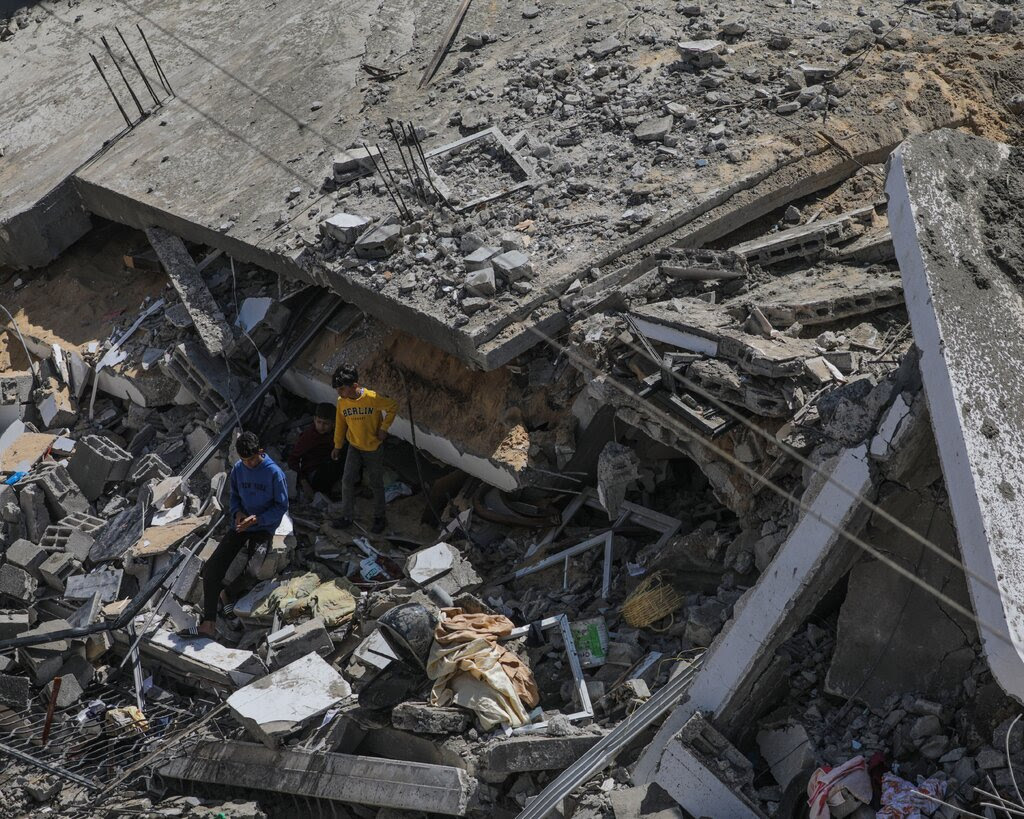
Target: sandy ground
{"x":79,"y":297}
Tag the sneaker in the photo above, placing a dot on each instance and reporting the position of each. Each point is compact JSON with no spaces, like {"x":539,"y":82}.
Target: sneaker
{"x":342,"y":523}
{"x":378,"y":525}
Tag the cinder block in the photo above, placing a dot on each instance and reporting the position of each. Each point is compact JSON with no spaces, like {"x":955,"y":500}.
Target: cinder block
{"x":26,"y":555}
{"x":149,"y":467}
{"x":63,"y":495}
{"x":56,"y":569}
{"x":59,"y":538}
{"x":96,"y":462}
{"x":14,"y":622}
{"x":17,"y":584}
{"x":83,"y":522}
{"x":33,"y":505}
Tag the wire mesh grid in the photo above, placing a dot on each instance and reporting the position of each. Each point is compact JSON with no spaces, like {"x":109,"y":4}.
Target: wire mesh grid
{"x":103,"y":740}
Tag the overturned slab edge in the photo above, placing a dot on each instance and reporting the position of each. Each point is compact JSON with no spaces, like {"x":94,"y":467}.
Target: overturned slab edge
{"x":361,"y":780}
{"x":972,"y":363}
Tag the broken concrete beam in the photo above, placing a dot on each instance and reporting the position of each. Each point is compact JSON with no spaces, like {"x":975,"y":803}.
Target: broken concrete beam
{"x":344,"y":227}
{"x":506,"y":757}
{"x":288,"y":699}
{"x":706,"y":775}
{"x":211,"y":326}
{"x":337,"y":777}
{"x":832,"y":294}
{"x":803,"y":242}
{"x":421,"y":718}
{"x":95,"y":462}
{"x":811,"y":559}
{"x":965,"y":306}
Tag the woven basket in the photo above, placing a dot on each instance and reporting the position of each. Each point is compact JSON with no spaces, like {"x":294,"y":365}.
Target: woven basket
{"x":651,"y":601}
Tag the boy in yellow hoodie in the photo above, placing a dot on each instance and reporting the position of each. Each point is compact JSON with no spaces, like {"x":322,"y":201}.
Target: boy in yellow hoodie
{"x":362,"y":419}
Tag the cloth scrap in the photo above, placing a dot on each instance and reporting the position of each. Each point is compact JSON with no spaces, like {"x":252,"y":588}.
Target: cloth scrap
{"x":305,"y":595}
{"x":471,"y":669}
{"x":899,"y":801}
{"x":333,"y":602}
{"x":833,"y":786}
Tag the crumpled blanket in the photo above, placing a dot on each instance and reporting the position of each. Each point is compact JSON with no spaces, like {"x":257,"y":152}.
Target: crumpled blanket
{"x":471,"y":669}
{"x":826,"y":786}
{"x":900,"y":802}
{"x":306,"y":595}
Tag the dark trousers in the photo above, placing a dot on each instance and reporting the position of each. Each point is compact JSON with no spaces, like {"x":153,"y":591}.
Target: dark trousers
{"x":372,"y":466}
{"x":217,"y":566}
{"x":323,"y":478}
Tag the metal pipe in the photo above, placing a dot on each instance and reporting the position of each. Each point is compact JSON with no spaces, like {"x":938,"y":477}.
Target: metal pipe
{"x":120,"y":107}
{"x":120,"y":71}
{"x":138,"y":67}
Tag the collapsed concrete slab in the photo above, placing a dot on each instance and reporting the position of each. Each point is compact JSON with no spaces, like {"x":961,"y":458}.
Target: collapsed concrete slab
{"x":277,"y":705}
{"x":339,"y":777}
{"x":954,"y":214}
{"x":805,"y":567}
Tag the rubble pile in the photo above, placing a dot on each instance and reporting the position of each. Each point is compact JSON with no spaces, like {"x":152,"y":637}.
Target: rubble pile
{"x":699,"y":459}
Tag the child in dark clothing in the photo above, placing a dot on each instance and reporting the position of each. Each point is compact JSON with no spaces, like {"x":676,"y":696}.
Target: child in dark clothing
{"x":259,"y":500}
{"x":310,"y":456}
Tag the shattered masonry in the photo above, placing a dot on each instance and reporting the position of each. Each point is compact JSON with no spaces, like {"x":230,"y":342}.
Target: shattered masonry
{"x":703,"y":492}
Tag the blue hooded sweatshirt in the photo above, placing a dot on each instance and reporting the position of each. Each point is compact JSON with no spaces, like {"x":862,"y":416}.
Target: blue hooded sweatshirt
{"x":262,"y":491}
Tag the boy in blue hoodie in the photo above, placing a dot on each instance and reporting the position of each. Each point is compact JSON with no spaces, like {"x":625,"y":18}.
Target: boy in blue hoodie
{"x":259,"y":499}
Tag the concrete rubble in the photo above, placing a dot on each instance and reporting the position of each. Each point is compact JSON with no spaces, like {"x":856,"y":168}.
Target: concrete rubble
{"x":702,"y":322}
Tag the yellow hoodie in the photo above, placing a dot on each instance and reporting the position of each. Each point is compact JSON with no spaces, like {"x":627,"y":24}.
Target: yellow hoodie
{"x":359,"y":420}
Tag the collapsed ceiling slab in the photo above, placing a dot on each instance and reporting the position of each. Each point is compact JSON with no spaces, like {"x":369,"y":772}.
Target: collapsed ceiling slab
{"x":954,"y":209}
